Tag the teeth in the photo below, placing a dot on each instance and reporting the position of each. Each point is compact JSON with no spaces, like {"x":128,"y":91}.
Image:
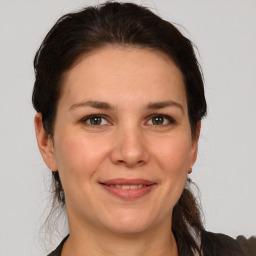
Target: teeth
{"x":135,"y":186}
{"x":127,"y":186}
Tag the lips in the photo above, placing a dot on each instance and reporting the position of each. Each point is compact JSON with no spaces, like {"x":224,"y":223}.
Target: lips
{"x":128,"y":188}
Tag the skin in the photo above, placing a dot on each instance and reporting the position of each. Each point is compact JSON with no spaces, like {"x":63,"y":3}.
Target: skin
{"x":126,"y":143}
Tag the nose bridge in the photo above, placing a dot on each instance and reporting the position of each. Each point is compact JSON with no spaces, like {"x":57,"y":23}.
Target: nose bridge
{"x":130,"y":147}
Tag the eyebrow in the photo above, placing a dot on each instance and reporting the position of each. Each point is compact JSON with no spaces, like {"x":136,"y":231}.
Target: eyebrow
{"x":93,"y":104}
{"x":164,"y":104}
{"x":105,"y":105}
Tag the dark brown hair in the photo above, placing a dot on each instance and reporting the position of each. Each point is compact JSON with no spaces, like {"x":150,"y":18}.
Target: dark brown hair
{"x":121,"y":24}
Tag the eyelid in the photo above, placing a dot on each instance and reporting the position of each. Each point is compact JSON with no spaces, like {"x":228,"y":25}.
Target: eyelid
{"x":86,"y":118}
{"x":170,"y":119}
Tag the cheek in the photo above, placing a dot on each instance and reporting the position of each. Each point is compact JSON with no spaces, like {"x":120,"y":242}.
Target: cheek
{"x":173,"y":154}
{"x":78,"y":156}
{"x":173,"y":157}
{"x":172,"y":160}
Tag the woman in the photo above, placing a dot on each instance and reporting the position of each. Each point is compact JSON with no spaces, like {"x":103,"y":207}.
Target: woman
{"x":119,"y":98}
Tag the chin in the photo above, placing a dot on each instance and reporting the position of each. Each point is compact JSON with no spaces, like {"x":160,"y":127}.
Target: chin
{"x":129,"y":228}
{"x":130,"y":222}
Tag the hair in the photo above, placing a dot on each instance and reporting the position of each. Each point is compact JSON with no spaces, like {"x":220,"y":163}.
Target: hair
{"x":127,"y":25}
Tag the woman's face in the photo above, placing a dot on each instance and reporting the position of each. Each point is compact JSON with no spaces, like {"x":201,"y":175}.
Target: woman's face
{"x":122,"y":142}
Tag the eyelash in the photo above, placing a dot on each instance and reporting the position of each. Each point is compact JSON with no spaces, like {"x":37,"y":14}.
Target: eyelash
{"x":171,"y":120}
{"x":87,"y":118}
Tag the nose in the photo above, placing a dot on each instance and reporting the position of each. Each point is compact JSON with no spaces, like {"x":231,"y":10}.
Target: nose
{"x":129,"y":148}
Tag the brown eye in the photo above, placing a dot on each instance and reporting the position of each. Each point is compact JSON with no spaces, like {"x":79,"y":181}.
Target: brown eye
{"x":96,"y":120}
{"x":158,"y":120}
{"x":161,"y":120}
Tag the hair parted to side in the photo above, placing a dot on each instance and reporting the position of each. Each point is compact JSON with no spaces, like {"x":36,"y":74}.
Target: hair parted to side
{"x":127,"y":25}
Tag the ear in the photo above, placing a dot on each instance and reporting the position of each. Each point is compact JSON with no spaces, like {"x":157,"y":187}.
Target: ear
{"x":195,"y":144}
{"x":45,"y":143}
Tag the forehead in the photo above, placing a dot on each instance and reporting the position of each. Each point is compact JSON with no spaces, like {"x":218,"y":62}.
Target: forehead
{"x":124,"y":72}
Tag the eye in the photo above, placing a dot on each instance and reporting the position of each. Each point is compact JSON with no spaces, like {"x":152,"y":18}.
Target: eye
{"x":161,"y":120}
{"x":95,"y":120}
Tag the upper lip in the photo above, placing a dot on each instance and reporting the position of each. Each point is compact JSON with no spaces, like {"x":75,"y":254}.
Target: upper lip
{"x":124,"y":181}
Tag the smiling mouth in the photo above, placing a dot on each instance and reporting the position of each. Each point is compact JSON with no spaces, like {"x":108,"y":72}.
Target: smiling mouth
{"x":128,"y":190}
{"x":128,"y":186}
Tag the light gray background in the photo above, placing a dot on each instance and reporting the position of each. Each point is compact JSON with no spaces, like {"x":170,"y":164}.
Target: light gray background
{"x":225,"y":33}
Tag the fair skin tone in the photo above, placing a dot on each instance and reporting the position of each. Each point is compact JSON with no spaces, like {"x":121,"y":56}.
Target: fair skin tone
{"x":121,"y":120}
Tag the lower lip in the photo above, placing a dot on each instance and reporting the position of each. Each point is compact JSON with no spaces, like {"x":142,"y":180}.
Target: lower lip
{"x":129,"y":194}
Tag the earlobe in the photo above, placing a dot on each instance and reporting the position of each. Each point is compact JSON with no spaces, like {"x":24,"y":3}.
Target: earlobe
{"x":45,"y":143}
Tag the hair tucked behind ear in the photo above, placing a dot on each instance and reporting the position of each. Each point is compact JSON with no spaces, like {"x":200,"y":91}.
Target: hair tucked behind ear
{"x":58,"y":192}
{"x":125,"y":24}
{"x":186,"y":219}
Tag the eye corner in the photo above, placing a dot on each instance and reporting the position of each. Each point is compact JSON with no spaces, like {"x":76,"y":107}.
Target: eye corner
{"x":95,"y":120}
{"x":161,"y":120}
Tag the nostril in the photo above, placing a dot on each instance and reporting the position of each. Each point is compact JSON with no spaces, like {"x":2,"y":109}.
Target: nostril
{"x":129,"y":153}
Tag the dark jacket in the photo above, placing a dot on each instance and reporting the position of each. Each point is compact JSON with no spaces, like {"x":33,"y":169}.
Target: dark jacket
{"x":212,"y":245}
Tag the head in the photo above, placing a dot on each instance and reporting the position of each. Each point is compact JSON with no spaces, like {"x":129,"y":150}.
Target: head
{"x":117,"y":31}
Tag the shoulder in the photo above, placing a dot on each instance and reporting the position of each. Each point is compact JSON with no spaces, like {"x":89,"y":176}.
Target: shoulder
{"x":248,"y":245}
{"x":222,"y":245}
{"x":57,"y":251}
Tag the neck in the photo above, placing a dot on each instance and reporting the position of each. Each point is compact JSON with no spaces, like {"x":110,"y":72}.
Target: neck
{"x":85,"y":241}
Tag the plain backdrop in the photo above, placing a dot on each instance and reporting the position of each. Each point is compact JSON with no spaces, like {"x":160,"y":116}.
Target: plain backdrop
{"x":225,"y":34}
